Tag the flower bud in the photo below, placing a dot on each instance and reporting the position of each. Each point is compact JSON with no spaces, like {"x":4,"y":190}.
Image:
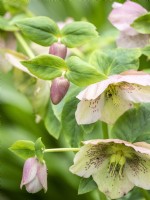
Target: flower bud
{"x":58,"y":49}
{"x":58,"y":89}
{"x":34,"y":175}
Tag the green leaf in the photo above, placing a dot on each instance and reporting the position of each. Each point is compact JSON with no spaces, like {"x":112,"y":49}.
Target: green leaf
{"x":6,"y":26}
{"x":16,"y":6}
{"x":78,"y":33}
{"x":72,"y":131}
{"x":146,"y":51}
{"x":81,"y":73}
{"x":46,"y":67}
{"x":2,"y":8}
{"x":41,"y":30}
{"x":115,"y":61}
{"x":86,"y":185}
{"x":23,"y":148}
{"x":52,"y":123}
{"x":142,"y":24}
{"x":39,"y":149}
{"x":132,"y":124}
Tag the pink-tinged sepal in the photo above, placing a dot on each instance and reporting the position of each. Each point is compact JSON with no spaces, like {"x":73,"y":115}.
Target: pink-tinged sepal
{"x":58,"y":49}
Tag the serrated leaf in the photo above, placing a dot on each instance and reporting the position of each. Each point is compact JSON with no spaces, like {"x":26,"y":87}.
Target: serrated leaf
{"x":142,"y":24}
{"x":46,"y":67}
{"x":41,"y":30}
{"x":39,"y":149}
{"x":78,"y":33}
{"x":132,"y":124}
{"x":86,"y":185}
{"x":115,"y":61}
{"x":72,"y":131}
{"x":6,"y":26}
{"x":52,"y":123}
{"x":23,"y":148}
{"x":81,"y":73}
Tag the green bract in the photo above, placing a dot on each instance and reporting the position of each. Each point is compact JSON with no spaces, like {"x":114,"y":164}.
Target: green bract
{"x":46,"y":67}
{"x":39,"y":149}
{"x":41,"y":30}
{"x":142,"y":24}
{"x":81,"y":73}
{"x":78,"y":33}
{"x":23,"y":148}
{"x":86,"y":185}
{"x":6,"y":26}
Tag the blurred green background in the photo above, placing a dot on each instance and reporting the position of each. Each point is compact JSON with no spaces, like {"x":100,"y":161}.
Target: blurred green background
{"x":18,"y":122}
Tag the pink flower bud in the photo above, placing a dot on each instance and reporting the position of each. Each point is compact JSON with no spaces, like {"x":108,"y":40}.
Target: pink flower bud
{"x":59,"y":89}
{"x":34,"y":176}
{"x":58,"y":49}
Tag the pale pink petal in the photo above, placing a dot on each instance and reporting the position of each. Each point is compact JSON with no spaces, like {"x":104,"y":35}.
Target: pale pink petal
{"x":112,"y":186}
{"x":133,"y":72}
{"x":95,"y":90}
{"x":113,"y":107}
{"x":116,"y":5}
{"x":143,"y":80}
{"x":42,"y":175}
{"x":136,"y":93}
{"x":34,"y":186}
{"x":87,"y":160}
{"x":29,"y":171}
{"x":129,"y":41}
{"x":138,"y":171}
{"x":122,"y":16}
{"x":88,"y":111}
{"x":140,"y":147}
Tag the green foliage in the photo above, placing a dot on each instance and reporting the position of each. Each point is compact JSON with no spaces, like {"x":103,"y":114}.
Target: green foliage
{"x":16,"y":6}
{"x":142,"y":24}
{"x":115,"y":61}
{"x":133,"y":124}
{"x":41,"y":30}
{"x":86,"y":185}
{"x":6,"y":26}
{"x":52,"y":123}
{"x":46,"y":67}
{"x":78,"y":33}
{"x":23,"y":148}
{"x":81,"y":73}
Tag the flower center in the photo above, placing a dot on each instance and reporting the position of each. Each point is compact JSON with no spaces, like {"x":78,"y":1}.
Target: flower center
{"x":112,"y":93}
{"x":116,"y":164}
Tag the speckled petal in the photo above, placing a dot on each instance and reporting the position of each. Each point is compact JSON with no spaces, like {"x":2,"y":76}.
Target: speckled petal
{"x":114,"y":107}
{"x":88,"y":159}
{"x":138,"y":170}
{"x":88,"y":111}
{"x":112,"y":186}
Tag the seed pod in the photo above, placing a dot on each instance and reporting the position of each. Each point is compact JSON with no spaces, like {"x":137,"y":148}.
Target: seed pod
{"x":59,"y":88}
{"x":58,"y":49}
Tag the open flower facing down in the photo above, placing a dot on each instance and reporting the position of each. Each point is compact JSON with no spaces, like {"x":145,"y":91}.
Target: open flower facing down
{"x":122,"y":16}
{"x":110,"y":98}
{"x":34,"y":176}
{"x":115,"y":165}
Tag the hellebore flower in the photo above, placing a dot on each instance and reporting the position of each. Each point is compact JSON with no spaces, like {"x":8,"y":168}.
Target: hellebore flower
{"x":115,"y":165}
{"x":59,"y":88}
{"x":122,"y":16}
{"x":34,"y":176}
{"x":109,"y":99}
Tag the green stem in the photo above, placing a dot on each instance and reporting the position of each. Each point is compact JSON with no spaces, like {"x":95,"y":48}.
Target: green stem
{"x":105,"y":130}
{"x":102,"y":196}
{"x":24,"y":45}
{"x":61,"y":150}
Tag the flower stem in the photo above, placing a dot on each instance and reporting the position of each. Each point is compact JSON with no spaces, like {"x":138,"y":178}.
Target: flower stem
{"x":61,"y":150}
{"x":24,"y":45}
{"x":105,"y":130}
